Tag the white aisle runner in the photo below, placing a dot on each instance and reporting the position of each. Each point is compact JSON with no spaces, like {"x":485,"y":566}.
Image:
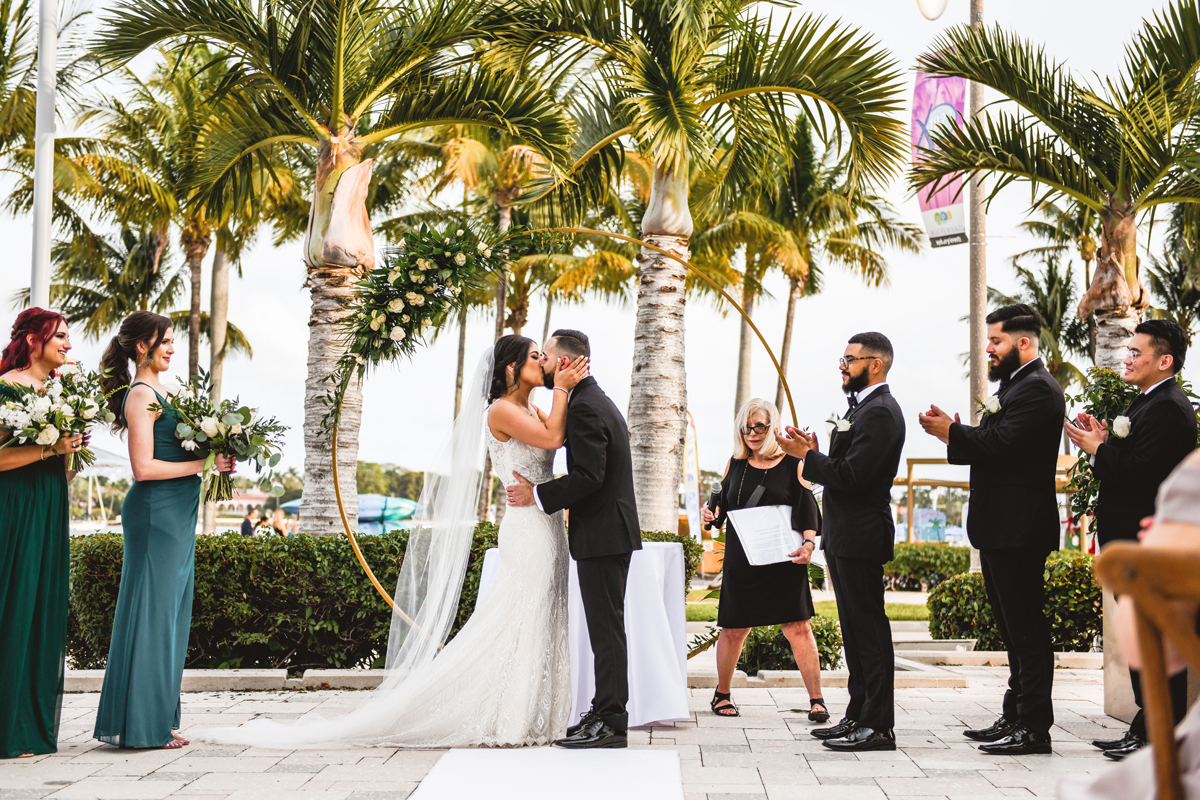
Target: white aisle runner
{"x":550,"y":773}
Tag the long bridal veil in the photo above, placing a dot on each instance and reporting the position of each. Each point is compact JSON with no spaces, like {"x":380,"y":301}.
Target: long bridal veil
{"x":439,"y":541}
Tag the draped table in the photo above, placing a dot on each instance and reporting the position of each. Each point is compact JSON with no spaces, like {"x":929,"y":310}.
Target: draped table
{"x":655,"y":631}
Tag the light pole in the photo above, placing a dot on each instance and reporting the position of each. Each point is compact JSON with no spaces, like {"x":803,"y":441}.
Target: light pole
{"x":43,"y":153}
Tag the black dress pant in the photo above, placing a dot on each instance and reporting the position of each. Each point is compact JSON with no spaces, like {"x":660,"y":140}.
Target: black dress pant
{"x":1177,"y":685}
{"x":602,"y":589}
{"x":867,"y":636}
{"x":1016,"y":591}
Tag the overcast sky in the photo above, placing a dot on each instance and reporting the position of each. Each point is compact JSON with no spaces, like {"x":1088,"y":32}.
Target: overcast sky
{"x":408,"y":406}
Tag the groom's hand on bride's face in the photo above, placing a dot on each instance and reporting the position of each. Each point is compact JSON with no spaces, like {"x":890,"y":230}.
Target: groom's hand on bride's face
{"x":521,"y":492}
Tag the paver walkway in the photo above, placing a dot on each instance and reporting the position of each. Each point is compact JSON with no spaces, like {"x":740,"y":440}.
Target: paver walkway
{"x":766,"y":754}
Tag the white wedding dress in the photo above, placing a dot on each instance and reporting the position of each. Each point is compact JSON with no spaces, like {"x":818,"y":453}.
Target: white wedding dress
{"x":504,"y":680}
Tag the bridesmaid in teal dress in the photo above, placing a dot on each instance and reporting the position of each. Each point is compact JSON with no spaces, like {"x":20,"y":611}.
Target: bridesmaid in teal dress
{"x":34,"y":551}
{"x":139,"y":702}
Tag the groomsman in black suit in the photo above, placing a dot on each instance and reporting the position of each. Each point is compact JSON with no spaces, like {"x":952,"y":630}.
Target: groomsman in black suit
{"x":1131,"y":456}
{"x":857,"y":535}
{"x":1013,"y":518}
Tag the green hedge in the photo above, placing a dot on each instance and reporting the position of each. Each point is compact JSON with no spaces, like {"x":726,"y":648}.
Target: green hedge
{"x":959,"y":608}
{"x":768,"y":648}
{"x":920,"y":566}
{"x":296,"y":603}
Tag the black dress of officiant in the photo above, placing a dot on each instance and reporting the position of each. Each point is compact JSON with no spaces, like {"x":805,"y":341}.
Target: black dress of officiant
{"x":770,"y":594}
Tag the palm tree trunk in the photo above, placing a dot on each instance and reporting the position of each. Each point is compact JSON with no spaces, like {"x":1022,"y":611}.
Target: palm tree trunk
{"x":658,"y":388}
{"x":1115,"y":295}
{"x":462,"y":361}
{"x":218,"y":323}
{"x":338,"y":248}
{"x":745,"y":340}
{"x":485,"y":492}
{"x":786,"y":348}
{"x":546,"y":324}
{"x":195,"y":240}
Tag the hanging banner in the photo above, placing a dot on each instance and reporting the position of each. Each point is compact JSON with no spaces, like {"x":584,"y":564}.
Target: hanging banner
{"x":938,"y":99}
{"x":691,"y":479}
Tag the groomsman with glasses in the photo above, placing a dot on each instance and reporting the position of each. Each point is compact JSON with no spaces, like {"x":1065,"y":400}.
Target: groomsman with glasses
{"x":857,"y":535}
{"x":1131,"y":456}
{"x":1013,"y":518}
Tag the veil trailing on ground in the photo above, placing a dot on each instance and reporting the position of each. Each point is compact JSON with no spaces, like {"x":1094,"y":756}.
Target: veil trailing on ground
{"x":439,"y":540}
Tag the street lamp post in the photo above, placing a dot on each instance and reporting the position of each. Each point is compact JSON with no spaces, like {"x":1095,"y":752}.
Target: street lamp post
{"x":43,"y":153}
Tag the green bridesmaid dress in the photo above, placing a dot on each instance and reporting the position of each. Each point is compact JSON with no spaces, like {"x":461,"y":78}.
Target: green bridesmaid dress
{"x":34,"y":578}
{"x":139,"y":702}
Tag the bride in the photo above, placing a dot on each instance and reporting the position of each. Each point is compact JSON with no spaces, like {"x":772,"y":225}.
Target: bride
{"x":505,"y":679}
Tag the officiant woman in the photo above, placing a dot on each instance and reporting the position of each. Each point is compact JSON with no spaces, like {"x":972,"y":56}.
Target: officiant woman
{"x":772,"y":594}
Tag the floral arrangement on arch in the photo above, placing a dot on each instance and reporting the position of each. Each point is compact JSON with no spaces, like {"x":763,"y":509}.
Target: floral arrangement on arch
{"x":416,"y":289}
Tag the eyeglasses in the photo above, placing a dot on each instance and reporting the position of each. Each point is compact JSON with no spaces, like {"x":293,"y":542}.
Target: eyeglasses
{"x":846,"y":361}
{"x":1134,"y":354}
{"x":759,"y":428}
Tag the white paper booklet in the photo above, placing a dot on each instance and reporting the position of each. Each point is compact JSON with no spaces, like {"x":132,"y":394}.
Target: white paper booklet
{"x":766,"y":533}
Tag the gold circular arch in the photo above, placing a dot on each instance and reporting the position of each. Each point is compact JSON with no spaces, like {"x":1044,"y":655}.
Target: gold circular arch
{"x":337,"y":489}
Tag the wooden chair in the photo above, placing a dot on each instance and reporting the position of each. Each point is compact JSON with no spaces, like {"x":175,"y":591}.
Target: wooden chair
{"x":1154,"y":578}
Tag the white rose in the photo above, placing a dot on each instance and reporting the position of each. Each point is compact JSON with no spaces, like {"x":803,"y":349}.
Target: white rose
{"x":48,"y":436}
{"x":430,"y":289}
{"x":991,"y":405}
{"x":458,"y":232}
{"x":1121,"y":427}
{"x":481,"y":247}
{"x":393,"y":276}
{"x":374,"y":324}
{"x":360,"y":360}
{"x":40,"y":408}
{"x":447,"y":254}
{"x":209,"y":426}
{"x":188,"y":444}
{"x":843,"y":425}
{"x":396,"y":306}
{"x":222,"y":428}
{"x":398,"y":334}
{"x":416,"y":277}
{"x":460,"y":259}
{"x":236,"y":430}
{"x":418,"y":300}
{"x":67,"y":411}
{"x":90,"y":410}
{"x":487,"y":253}
{"x":413,"y":297}
{"x":404,"y":317}
{"x":70,"y":368}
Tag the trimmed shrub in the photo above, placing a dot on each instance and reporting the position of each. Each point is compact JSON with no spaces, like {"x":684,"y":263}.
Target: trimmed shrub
{"x":959,"y":608}
{"x":768,"y":648}
{"x":920,"y":566}
{"x":296,"y":603}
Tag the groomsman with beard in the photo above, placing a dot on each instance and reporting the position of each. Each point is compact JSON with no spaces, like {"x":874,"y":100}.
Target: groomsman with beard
{"x":857,"y":535}
{"x":1131,"y":457}
{"x":1013,"y":518}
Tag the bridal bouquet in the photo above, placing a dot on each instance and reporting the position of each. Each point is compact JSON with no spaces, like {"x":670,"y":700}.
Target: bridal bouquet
{"x":225,"y":428}
{"x":72,"y":402}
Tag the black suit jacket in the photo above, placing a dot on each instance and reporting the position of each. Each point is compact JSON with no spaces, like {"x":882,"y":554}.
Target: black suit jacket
{"x":598,"y":486}
{"x":1162,"y":433}
{"x":1013,"y":455}
{"x":857,"y":476}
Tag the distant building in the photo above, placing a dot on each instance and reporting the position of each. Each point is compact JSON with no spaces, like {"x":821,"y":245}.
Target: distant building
{"x":241,"y":502}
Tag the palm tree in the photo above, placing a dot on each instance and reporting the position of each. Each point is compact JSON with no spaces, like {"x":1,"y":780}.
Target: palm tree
{"x":1173,"y":283}
{"x":676,"y":78}
{"x":338,"y":80}
{"x":1118,"y":148}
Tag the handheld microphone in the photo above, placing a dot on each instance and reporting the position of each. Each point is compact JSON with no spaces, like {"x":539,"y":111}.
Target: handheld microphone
{"x":713,"y":497}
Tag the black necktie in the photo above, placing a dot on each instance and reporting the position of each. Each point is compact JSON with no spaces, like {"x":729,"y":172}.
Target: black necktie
{"x":852,"y":401}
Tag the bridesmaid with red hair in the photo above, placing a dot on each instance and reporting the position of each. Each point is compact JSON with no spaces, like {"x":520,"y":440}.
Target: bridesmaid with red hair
{"x":34,"y":552}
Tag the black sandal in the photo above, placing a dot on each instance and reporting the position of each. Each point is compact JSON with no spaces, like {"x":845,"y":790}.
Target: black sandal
{"x":720,"y":711}
{"x":817,"y":716}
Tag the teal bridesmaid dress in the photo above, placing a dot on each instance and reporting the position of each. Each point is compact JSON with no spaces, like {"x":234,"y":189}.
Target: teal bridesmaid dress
{"x":139,"y":702}
{"x":34,"y":567}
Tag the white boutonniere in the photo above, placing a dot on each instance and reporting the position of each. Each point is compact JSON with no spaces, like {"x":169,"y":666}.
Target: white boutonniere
{"x":836,"y":423}
{"x":989,"y":405}
{"x":1121,"y":427}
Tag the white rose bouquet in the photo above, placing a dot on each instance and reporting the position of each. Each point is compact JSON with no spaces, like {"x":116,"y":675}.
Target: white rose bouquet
{"x":210,"y":429}
{"x":72,"y":402}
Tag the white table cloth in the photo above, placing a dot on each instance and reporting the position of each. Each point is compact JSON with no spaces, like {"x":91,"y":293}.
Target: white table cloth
{"x":655,"y":630}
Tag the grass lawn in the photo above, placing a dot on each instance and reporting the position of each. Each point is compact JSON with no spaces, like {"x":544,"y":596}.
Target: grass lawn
{"x":707,"y":612}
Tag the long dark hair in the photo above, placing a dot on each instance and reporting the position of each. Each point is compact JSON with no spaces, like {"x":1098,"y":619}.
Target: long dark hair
{"x":140,"y":327}
{"x":509,"y":350}
{"x":39,"y":322}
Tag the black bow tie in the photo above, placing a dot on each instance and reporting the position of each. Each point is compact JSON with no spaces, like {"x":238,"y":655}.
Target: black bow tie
{"x":852,"y":401}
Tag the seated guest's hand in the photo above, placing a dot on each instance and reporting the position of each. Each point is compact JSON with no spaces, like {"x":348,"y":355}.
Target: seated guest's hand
{"x":937,"y":423}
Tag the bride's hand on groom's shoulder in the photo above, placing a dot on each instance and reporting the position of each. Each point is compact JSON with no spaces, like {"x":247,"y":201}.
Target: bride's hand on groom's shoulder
{"x":568,"y":377}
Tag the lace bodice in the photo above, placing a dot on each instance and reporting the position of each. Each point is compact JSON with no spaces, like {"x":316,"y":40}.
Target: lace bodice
{"x":534,"y":463}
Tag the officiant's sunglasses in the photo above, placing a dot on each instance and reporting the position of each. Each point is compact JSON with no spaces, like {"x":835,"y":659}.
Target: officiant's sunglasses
{"x":759,"y":428}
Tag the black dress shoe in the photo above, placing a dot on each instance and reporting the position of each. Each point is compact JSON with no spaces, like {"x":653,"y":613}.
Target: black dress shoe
{"x":843,"y":728}
{"x":861,"y":739}
{"x":1118,"y":753}
{"x":1116,"y":744}
{"x":994,"y":733}
{"x":596,"y":734}
{"x":587,"y":717}
{"x":1020,"y":742}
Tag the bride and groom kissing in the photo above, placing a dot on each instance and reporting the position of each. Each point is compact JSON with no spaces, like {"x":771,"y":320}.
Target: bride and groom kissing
{"x":505,"y":679}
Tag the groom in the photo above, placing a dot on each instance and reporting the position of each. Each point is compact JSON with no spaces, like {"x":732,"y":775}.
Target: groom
{"x":604,"y":532}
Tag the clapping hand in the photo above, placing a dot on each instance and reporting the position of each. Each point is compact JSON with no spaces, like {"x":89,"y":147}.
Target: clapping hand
{"x":1088,"y":433}
{"x":796,"y":442}
{"x":937,"y":423}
